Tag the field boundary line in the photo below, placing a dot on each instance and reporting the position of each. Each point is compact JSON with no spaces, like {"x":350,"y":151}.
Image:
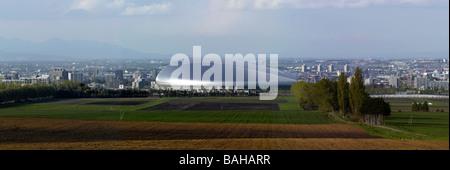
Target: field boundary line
{"x":380,"y":126}
{"x":336,"y":117}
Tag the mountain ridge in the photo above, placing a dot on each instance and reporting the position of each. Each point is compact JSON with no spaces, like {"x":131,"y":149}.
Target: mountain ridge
{"x":59,"y":49}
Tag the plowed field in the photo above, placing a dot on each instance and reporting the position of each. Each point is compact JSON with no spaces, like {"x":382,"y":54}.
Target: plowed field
{"x":43,"y":133}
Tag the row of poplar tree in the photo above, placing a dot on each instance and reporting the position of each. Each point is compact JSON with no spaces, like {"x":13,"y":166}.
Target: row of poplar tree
{"x":348,"y":99}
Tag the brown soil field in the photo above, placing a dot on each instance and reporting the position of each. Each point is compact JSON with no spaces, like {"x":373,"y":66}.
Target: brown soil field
{"x":212,"y":106}
{"x":67,"y":134}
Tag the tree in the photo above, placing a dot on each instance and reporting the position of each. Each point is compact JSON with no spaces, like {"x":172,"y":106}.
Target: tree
{"x":374,"y":110}
{"x":343,"y":94}
{"x":303,"y":92}
{"x":357,"y":94}
{"x":325,"y":95}
{"x":425,"y":107}
{"x":414,"y":107}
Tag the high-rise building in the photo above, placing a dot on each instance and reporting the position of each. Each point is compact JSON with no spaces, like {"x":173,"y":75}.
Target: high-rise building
{"x":438,"y":85}
{"x":112,"y":82}
{"x":421,"y":82}
{"x":393,"y":81}
{"x":319,"y":69}
{"x":59,"y":74}
{"x":95,"y":73}
{"x":346,"y":68}
{"x":303,"y":68}
{"x":118,"y":74}
{"x":139,"y":75}
{"x":410,"y":80}
{"x":330,"y":68}
{"x":138,"y":83}
{"x":76,"y":77}
{"x":368,"y":81}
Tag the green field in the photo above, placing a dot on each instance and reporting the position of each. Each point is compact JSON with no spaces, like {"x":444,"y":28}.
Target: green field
{"x":405,"y":104}
{"x":434,"y":125}
{"x":289,"y":112}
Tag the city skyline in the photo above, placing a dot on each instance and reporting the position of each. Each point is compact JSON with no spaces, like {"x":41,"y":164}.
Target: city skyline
{"x":292,"y":29}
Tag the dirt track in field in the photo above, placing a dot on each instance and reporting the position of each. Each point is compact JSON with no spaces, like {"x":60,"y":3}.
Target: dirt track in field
{"x":42,"y":133}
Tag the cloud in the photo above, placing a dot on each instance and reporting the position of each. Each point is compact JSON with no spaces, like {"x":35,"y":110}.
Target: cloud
{"x":267,"y":4}
{"x":117,"y":4}
{"x":146,"y":9}
{"x":85,"y":5}
{"x":116,"y":7}
{"x":236,"y":4}
{"x":316,"y":4}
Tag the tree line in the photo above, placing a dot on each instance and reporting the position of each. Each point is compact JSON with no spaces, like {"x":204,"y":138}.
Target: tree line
{"x":423,"y":107}
{"x":13,"y":93}
{"x":348,"y":99}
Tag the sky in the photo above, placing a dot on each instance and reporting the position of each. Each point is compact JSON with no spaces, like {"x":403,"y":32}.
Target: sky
{"x":290,"y":28}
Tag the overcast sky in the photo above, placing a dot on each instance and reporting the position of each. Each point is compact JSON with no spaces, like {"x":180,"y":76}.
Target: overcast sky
{"x":290,"y":28}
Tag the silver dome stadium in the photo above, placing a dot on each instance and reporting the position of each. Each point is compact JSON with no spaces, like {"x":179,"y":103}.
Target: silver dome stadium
{"x":164,"y":81}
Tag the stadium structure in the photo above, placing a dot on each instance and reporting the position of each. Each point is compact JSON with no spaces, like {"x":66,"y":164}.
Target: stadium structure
{"x":164,"y":81}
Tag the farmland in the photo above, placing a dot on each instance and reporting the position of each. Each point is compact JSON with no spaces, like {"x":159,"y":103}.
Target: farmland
{"x":432,"y":125}
{"x":236,"y":123}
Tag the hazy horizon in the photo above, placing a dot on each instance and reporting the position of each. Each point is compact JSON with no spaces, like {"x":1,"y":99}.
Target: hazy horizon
{"x":290,"y":28}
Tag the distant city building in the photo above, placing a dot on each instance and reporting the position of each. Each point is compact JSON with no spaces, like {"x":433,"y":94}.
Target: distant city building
{"x":393,"y":81}
{"x":76,"y":77}
{"x":118,"y":74}
{"x":154,"y":73}
{"x":319,"y":69}
{"x":368,"y":81}
{"x":346,"y":68}
{"x":438,"y":85}
{"x":95,"y":73}
{"x":421,"y":82}
{"x":59,"y":74}
{"x":139,"y":75}
{"x":330,"y":68}
{"x":303,"y":68}
{"x":410,"y":82}
{"x":428,"y":73}
{"x":138,"y":83}
{"x":14,"y":75}
{"x":112,"y":82}
{"x":43,"y":79}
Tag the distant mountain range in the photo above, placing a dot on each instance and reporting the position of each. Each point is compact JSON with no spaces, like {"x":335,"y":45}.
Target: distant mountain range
{"x":58,"y":49}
